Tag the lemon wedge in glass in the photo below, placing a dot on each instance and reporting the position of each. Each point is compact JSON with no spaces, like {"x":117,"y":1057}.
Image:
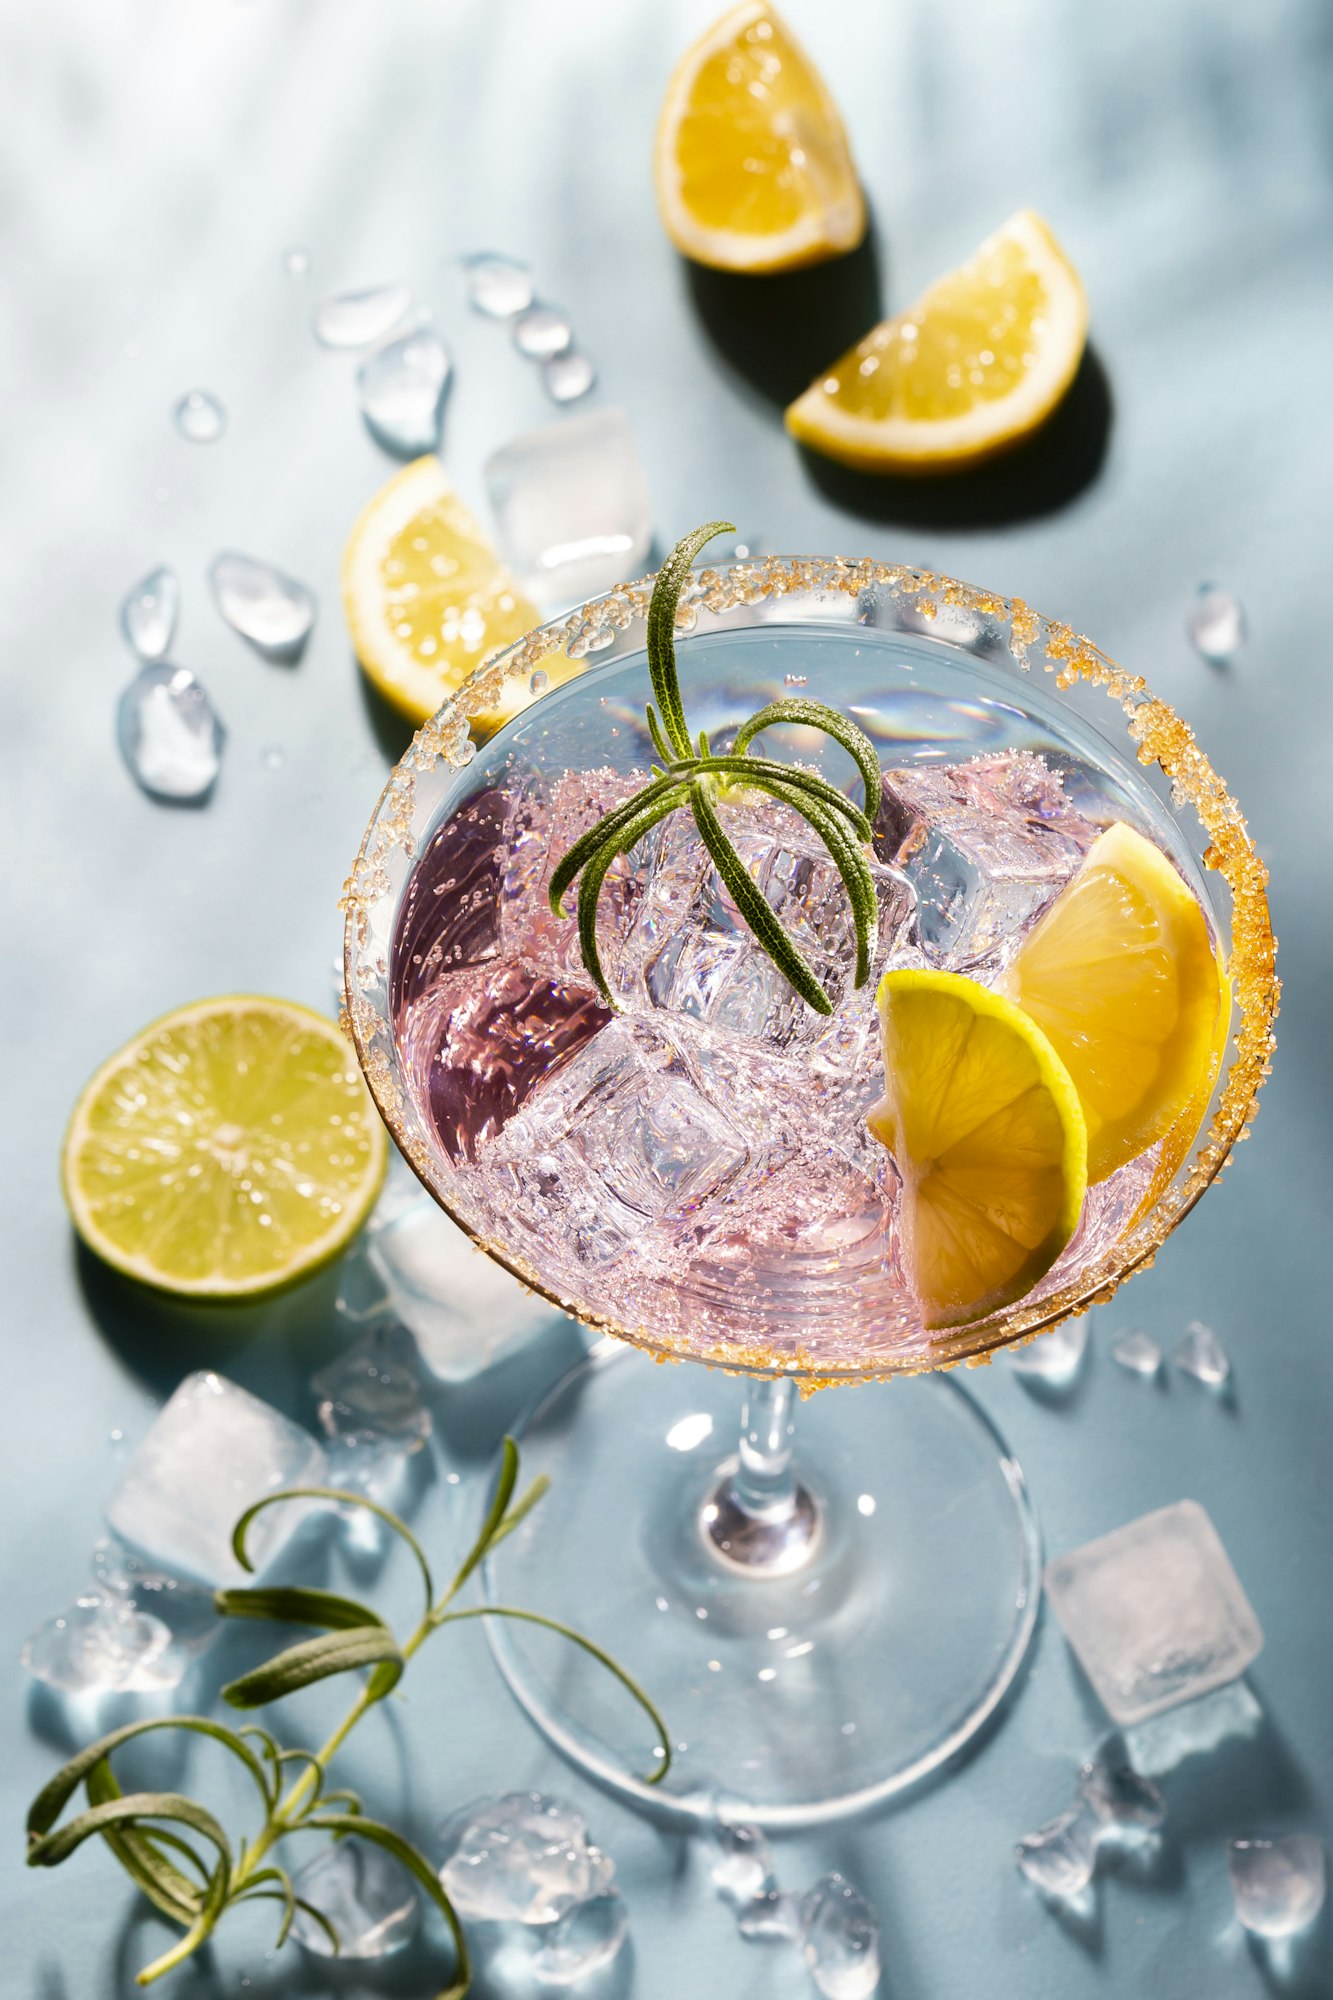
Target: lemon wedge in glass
{"x":427,"y":599}
{"x":974,"y":367}
{"x":228,"y":1150}
{"x":986,"y":1129}
{"x":753,"y":168}
{"x":1125,"y":981}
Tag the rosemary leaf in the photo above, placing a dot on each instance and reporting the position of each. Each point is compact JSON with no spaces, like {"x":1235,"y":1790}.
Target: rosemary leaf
{"x":629,"y":834}
{"x":817,"y":715}
{"x":850,"y":863}
{"x":662,"y":631}
{"x":130,"y":1809}
{"x":290,"y":1606}
{"x":748,"y":770}
{"x":754,"y":905}
{"x":346,"y":1499}
{"x":139,"y":1854}
{"x":588,"y":843}
{"x":55,"y":1795}
{"x":316,"y":1660}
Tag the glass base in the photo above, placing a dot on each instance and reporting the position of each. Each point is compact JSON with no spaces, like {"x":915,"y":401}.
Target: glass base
{"x":805,"y":1689}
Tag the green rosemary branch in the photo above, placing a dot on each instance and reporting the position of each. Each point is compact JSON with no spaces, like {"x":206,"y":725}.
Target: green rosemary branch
{"x":692,"y":775}
{"x":151,"y":1833}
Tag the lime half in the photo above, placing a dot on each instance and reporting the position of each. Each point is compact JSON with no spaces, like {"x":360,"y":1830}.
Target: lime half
{"x":227,"y":1151}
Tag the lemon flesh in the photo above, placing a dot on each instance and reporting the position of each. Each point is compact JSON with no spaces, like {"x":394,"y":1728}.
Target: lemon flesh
{"x":753,"y":168}
{"x":1123,"y":978}
{"x":228,"y":1150}
{"x":971,"y":369}
{"x":427,"y":599}
{"x":986,"y":1130}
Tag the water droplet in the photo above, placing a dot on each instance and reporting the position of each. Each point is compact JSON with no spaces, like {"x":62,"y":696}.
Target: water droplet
{"x":568,"y":376}
{"x":273,"y":611}
{"x":542,"y":332}
{"x":1216,"y":625}
{"x":401,"y":388}
{"x":540,"y":681}
{"x":296,"y":261}
{"x":355,"y":319}
{"x":170,"y":735}
{"x":273,"y":757}
{"x":148,"y":615}
{"x":200,"y":417}
{"x":498,"y":286}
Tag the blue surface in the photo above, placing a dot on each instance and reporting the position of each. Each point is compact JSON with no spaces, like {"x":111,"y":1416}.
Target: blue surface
{"x":157,"y":159}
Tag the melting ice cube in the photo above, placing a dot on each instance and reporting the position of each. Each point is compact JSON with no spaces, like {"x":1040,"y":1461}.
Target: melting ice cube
{"x":1279,"y":1885}
{"x":541,"y":332}
{"x":572,"y":506}
{"x":212,"y":1451}
{"x":568,"y":376}
{"x":584,"y":1940}
{"x":1060,"y":1857}
{"x":355,"y":319}
{"x":100,"y":1644}
{"x":364,"y":1893}
{"x":1120,"y":1799}
{"x":1155,"y":1612}
{"x":401,"y":389}
{"x":497,"y":286}
{"x":200,"y":417}
{"x":1053,"y":1357}
{"x":169,"y":732}
{"x":740,"y":1864}
{"x":524,"y":1858}
{"x":1138,"y":1352}
{"x":187,"y":1610}
{"x":1201,"y":1354}
{"x":372,"y":1389}
{"x":840,"y":1940}
{"x":273,"y":611}
{"x":464,"y":1311}
{"x":148,"y":614}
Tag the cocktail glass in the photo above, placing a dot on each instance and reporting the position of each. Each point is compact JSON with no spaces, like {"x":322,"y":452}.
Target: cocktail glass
{"x":826,"y":1612}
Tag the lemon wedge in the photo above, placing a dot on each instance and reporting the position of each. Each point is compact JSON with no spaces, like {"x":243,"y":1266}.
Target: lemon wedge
{"x":753,"y":168}
{"x":427,"y":599}
{"x":971,"y":369}
{"x":1125,"y":981}
{"x":986,"y":1130}
{"x":230,"y":1149}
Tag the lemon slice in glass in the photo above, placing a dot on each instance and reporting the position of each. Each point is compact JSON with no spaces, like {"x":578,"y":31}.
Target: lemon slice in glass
{"x":230,"y":1149}
{"x":986,"y":1130}
{"x":1122,"y":976}
{"x":753,"y":168}
{"x":427,"y":599}
{"x":972,"y":368}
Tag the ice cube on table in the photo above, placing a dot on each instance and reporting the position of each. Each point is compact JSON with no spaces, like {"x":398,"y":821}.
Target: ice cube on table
{"x":1201,"y":1354}
{"x":572,"y":506}
{"x":372,"y":1389}
{"x":740,"y":1864}
{"x":270,"y":609}
{"x":1279,"y":1885}
{"x":100,"y":1644}
{"x":463,"y":1310}
{"x":623,"y":1134}
{"x":186,"y":1609}
{"x":987,"y":846}
{"x":1139,"y":1353}
{"x":840,"y":1940}
{"x":1121,"y":1801}
{"x":149,"y":612}
{"x":523,"y":1858}
{"x":773,"y":1917}
{"x":1055,"y":1357}
{"x":1155,"y":1612}
{"x":401,"y":388}
{"x":169,"y":732}
{"x":364,"y":1893}
{"x":1060,"y":1857}
{"x":583,"y":1941}
{"x":212,"y":1451}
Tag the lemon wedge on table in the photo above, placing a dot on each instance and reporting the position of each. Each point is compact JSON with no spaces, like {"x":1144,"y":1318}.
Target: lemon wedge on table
{"x":227,"y":1151}
{"x":427,"y":599}
{"x":1125,"y":981}
{"x":753,"y":168}
{"x":974,"y":367}
{"x":987,"y":1132}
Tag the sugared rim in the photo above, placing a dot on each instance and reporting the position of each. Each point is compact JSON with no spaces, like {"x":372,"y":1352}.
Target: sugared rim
{"x":1162,"y":739}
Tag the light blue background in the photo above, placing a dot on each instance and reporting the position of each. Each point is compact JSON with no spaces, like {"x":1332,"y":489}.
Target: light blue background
{"x":155,"y":161}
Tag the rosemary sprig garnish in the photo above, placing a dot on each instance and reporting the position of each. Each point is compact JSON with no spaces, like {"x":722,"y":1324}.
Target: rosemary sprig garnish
{"x":150,"y":1832}
{"x":692,"y":774}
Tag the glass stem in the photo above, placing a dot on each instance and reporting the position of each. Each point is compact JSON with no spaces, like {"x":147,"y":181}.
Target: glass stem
{"x":761,"y":1519}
